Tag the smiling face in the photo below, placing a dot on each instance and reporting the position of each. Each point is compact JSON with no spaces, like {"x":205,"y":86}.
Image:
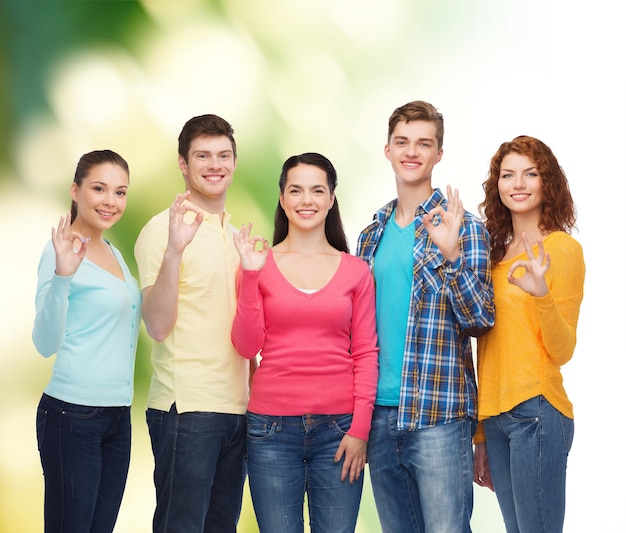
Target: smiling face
{"x":413,"y":152}
{"x":208,"y":170}
{"x":100,"y":198}
{"x":519,"y":185}
{"x":306,"y":198}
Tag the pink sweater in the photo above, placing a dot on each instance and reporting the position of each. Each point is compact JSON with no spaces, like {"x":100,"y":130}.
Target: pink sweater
{"x":318,"y":351}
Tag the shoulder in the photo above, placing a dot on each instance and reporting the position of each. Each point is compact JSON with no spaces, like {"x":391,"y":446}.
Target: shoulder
{"x":157,"y":225}
{"x":354,"y":267}
{"x":562,"y":243}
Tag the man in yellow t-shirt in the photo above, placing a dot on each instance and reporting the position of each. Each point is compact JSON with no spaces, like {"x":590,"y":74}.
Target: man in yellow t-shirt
{"x":199,"y":390}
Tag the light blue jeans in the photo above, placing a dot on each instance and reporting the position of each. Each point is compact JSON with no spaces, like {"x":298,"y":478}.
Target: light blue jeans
{"x":527,"y":449}
{"x":422,"y":480}
{"x":289,"y":456}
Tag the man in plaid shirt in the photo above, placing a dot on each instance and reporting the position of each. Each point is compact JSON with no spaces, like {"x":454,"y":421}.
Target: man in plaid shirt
{"x":430,"y":260}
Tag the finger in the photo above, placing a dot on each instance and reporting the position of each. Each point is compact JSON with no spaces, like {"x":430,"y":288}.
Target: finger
{"x":541,"y":251}
{"x":527,"y":247}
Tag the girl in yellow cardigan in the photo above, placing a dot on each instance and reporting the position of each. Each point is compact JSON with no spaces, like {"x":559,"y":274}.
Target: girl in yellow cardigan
{"x":526,"y":421}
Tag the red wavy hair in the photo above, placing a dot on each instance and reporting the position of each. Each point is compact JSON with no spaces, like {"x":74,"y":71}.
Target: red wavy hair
{"x":559,"y":211}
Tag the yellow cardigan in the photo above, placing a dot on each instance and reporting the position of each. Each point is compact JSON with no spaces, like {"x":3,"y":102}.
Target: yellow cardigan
{"x":521,"y":356}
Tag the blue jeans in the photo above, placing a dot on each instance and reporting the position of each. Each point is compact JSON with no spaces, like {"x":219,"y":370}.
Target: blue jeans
{"x":85,"y":453}
{"x":527,"y":449}
{"x":289,"y":456}
{"x":422,"y":480}
{"x":199,"y":470}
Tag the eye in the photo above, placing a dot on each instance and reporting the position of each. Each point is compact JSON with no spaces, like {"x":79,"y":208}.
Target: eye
{"x":506,"y":176}
{"x":121,"y":193}
{"x":98,"y":188}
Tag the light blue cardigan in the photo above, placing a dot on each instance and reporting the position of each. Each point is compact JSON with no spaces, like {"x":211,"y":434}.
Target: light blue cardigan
{"x":91,"y":321}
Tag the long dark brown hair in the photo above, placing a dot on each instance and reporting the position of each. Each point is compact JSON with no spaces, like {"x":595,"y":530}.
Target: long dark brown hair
{"x":558,"y":210}
{"x":334,"y":230}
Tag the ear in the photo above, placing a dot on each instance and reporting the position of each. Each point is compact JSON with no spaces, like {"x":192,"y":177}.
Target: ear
{"x":182,"y":165}
{"x":74,"y":191}
{"x":281,"y":200}
{"x":439,"y":156}
{"x":332,"y":200}
{"x":387,"y":151}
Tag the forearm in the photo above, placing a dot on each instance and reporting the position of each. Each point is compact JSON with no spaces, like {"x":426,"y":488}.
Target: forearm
{"x":160,"y":301}
{"x":52,"y":305}
{"x":557,"y":333}
{"x":248,"y":330}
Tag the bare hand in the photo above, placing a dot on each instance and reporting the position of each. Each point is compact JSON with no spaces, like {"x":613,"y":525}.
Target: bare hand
{"x":533,"y":280}
{"x":482,"y":474}
{"x":70,"y":247}
{"x":251,"y":258}
{"x":354,"y":451}
{"x":181,"y":233}
{"x":445,"y":235}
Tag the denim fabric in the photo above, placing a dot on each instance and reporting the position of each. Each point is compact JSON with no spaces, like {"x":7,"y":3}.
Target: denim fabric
{"x":85,"y":453}
{"x":199,"y":470}
{"x":527,"y":449}
{"x":289,"y":456}
{"x":422,"y":479}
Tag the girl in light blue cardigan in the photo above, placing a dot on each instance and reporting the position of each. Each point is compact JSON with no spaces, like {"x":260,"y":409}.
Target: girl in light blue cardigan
{"x":88,"y":310}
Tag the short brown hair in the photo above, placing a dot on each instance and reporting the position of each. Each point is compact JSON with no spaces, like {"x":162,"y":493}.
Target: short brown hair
{"x":204,"y":126}
{"x":417,"y":110}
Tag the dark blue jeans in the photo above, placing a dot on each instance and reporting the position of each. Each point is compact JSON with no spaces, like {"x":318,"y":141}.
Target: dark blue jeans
{"x":199,"y":470}
{"x":85,"y":453}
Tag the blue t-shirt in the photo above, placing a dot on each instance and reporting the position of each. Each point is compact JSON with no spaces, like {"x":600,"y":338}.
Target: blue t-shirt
{"x":393,"y":272}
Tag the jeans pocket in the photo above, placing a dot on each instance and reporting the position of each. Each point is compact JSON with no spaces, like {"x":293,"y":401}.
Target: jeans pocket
{"x":341,"y":423}
{"x":42,"y":418}
{"x":154,"y":421}
{"x":80,"y":412}
{"x":259,"y":427}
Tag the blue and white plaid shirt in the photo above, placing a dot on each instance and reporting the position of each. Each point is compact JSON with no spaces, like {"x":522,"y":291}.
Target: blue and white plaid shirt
{"x":450,"y":302}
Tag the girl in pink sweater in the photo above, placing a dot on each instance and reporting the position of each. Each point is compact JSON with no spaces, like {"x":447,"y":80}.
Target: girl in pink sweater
{"x":306,"y":307}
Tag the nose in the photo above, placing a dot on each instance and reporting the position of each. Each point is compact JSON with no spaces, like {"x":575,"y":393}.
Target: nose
{"x":306,"y":197}
{"x":411,"y":149}
{"x":213,"y":161}
{"x":519,"y":182}
{"x":109,"y":198}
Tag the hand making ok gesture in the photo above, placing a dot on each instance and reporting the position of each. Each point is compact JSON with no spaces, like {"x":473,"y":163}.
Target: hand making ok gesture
{"x":445,"y":235}
{"x":70,"y":247}
{"x":251,"y":258}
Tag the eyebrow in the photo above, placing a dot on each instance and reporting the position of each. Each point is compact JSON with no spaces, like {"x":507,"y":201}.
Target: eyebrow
{"x":405,"y":138}
{"x":107,"y":185}
{"x":524,"y":170}
{"x":210,"y":152}
{"x":302,"y":187}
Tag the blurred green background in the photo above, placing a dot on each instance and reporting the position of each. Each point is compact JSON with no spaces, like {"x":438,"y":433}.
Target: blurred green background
{"x":295,"y":76}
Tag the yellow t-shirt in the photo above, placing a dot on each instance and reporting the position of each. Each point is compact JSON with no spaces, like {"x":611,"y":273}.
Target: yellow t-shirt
{"x":197,"y":366}
{"x":522,"y":355}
